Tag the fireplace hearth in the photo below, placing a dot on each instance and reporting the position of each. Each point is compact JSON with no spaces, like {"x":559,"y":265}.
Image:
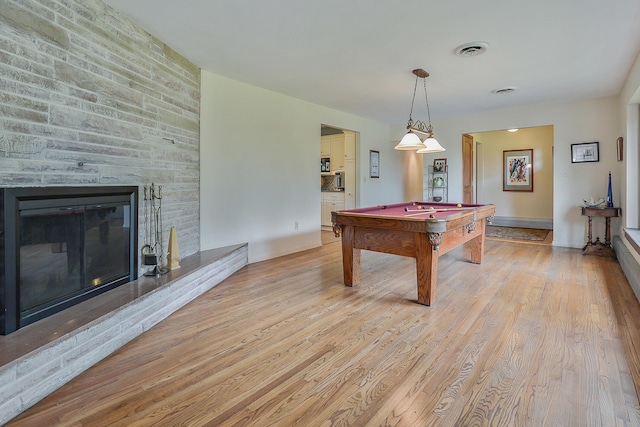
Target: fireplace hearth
{"x":63,"y":245}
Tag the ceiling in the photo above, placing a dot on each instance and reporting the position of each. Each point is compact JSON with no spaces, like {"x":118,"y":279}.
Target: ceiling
{"x":357,"y":55}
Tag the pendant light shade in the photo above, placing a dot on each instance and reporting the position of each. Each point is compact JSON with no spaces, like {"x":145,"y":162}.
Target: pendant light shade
{"x":411,"y":141}
{"x":431,"y":145}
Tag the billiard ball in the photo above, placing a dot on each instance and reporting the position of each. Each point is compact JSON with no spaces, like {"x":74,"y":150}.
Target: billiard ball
{"x":459,"y":205}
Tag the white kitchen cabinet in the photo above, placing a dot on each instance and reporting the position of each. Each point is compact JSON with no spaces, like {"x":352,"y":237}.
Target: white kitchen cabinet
{"x":331,"y":201}
{"x":337,"y":152}
{"x":349,"y":146}
{"x":325,"y":219}
{"x":350,"y":182}
{"x":325,"y":146}
{"x":332,"y":146}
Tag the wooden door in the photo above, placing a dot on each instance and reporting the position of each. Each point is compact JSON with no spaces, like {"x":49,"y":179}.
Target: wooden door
{"x":467,"y":169}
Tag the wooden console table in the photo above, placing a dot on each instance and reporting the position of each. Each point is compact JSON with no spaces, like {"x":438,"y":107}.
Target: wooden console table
{"x":597,"y":247}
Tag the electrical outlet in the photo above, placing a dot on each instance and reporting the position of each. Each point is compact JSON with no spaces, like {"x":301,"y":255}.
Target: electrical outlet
{"x":295,"y":225}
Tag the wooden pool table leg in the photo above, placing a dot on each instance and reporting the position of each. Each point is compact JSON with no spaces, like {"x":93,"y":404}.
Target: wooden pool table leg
{"x":350,"y":257}
{"x":426,"y":269}
{"x":477,"y":244}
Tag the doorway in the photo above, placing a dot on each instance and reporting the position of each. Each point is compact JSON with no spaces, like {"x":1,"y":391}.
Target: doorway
{"x":467,"y":169}
{"x":527,"y":209}
{"x":339,"y":176}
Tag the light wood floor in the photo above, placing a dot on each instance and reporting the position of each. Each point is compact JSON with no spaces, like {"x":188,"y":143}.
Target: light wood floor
{"x":535,"y":336}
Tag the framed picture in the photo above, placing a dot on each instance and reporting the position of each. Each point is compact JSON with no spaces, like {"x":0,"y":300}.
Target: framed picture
{"x":620,"y":149}
{"x":518,"y":170}
{"x":585,"y":152}
{"x":374,"y":164}
{"x":439,"y":165}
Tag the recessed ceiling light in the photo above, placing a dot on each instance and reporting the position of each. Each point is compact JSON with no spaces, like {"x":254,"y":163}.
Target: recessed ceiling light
{"x":472,"y":49}
{"x":512,"y":130}
{"x":508,"y":89}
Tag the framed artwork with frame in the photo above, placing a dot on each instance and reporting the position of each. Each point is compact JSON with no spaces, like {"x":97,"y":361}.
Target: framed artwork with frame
{"x":585,"y":152}
{"x":374,"y":164}
{"x":439,"y":165}
{"x":517,"y":170}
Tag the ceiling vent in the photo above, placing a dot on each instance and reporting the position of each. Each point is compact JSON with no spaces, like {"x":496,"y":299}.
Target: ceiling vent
{"x":504,"y":90}
{"x":472,"y":49}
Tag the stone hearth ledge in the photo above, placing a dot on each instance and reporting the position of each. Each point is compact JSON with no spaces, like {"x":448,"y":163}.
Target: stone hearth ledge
{"x":41,"y":357}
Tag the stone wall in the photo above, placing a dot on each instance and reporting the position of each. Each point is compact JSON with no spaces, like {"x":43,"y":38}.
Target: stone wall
{"x":89,"y":98}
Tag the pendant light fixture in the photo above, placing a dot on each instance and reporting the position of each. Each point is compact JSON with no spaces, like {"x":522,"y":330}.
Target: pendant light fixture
{"x":411,"y":141}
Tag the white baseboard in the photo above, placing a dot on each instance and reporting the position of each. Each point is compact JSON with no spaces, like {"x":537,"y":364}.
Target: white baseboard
{"x":505,"y":221}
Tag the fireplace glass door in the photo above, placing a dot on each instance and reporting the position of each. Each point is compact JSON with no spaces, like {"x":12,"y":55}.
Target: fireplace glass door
{"x":67,"y":251}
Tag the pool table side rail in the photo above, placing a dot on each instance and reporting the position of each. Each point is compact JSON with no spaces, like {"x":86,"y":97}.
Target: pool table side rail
{"x":418,"y":223}
{"x":393,"y":206}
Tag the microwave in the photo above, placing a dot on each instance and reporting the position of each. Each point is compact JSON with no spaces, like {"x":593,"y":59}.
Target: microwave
{"x":325,"y":164}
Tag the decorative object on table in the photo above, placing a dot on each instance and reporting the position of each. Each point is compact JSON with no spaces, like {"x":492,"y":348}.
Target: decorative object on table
{"x":439,"y":165}
{"x":437,"y":199}
{"x":609,"y":193}
{"x":591,"y":203}
{"x":585,"y":152}
{"x":518,"y":170}
{"x":438,"y":181}
{"x":152,"y":248}
{"x":173,"y":255}
{"x":619,"y":148}
{"x":374,"y":164}
{"x":411,"y":141}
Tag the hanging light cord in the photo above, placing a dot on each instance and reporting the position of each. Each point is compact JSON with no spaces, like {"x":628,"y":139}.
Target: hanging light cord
{"x":410,"y":123}
{"x":420,"y":126}
{"x":426,"y":97}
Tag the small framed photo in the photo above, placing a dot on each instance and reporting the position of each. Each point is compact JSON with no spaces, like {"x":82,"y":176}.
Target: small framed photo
{"x":518,"y":170}
{"x":439,"y":165}
{"x":585,"y":152}
{"x":374,"y":164}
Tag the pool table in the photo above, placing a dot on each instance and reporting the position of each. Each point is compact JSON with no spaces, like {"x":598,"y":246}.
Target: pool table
{"x":422,"y":230}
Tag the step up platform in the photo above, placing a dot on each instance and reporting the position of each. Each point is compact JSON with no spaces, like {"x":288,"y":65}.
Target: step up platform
{"x":41,"y":357}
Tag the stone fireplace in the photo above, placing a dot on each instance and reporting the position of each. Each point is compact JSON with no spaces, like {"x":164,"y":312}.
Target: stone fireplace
{"x":61,"y":246}
{"x":91,"y":99}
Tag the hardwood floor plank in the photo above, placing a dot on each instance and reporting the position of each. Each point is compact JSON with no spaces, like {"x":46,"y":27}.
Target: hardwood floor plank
{"x":534,"y":336}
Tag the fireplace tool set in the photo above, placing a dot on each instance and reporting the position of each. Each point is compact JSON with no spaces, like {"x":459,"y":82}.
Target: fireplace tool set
{"x":152,"y":249}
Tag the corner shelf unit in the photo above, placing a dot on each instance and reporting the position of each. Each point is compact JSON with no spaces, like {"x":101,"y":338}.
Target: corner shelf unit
{"x":437,"y":184}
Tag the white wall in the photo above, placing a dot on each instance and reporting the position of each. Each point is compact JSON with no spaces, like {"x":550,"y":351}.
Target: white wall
{"x":259,"y":167}
{"x":536,"y":205}
{"x":630,"y":130}
{"x":255,"y":188}
{"x":573,"y":122}
{"x":412,"y":176}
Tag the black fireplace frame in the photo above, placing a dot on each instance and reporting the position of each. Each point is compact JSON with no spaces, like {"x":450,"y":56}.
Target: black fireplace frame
{"x":10,"y":200}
